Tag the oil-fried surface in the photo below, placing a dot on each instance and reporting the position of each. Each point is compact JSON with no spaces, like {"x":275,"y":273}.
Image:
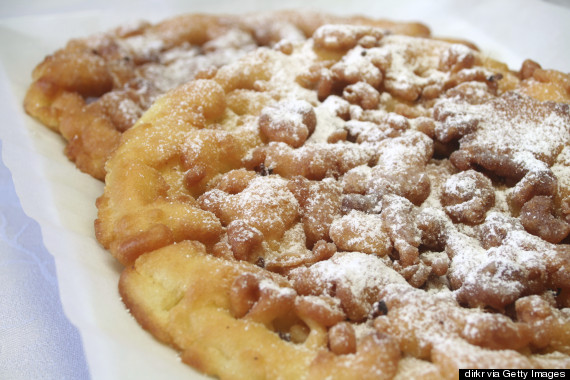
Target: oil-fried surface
{"x":95,"y":88}
{"x":415,"y":226}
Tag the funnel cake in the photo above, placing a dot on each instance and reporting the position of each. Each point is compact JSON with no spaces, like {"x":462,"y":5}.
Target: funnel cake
{"x":358,"y":205}
{"x":96,"y":87}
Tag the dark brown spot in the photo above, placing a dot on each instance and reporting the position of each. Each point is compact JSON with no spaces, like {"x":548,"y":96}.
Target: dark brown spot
{"x":260,"y":262}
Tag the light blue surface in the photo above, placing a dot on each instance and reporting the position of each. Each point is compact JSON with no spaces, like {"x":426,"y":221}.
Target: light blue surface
{"x":37,"y":341}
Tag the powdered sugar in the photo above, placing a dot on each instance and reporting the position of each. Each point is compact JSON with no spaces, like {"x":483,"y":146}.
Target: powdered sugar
{"x":536,"y":131}
{"x":144,"y":47}
{"x":461,"y":185}
{"x":327,"y":123}
{"x":410,"y":56}
{"x":500,"y":273}
{"x":267,"y":285}
{"x":357,"y":271}
{"x":269,"y":192}
{"x":358,"y":231}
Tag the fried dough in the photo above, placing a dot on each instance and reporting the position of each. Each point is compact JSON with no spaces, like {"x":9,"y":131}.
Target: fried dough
{"x":97,"y":87}
{"x":356,"y":205}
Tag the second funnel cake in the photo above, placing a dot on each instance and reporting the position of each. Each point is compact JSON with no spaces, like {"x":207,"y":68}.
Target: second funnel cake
{"x":96,"y":87}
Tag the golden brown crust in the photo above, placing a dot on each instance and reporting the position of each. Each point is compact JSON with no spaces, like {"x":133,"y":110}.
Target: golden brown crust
{"x":196,"y":317}
{"x":95,"y":88}
{"x":360,"y":242}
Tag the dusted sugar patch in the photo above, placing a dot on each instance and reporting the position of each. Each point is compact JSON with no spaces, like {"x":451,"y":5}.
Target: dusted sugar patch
{"x":96,"y":88}
{"x":538,"y":131}
{"x":357,"y":205}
